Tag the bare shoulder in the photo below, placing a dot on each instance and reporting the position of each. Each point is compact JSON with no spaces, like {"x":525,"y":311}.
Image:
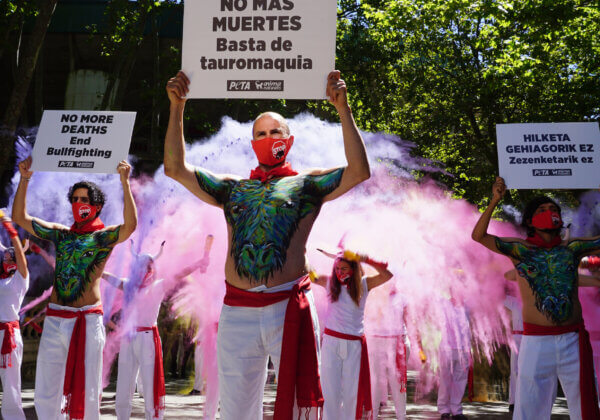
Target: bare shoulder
{"x":318,"y":171}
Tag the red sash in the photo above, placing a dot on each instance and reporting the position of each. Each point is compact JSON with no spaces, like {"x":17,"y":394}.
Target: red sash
{"x":298,"y":366}
{"x":8,"y":343}
{"x":587,"y":384}
{"x":74,"y":382}
{"x":363,"y":396}
{"x":517,"y":332}
{"x":159,"y":373}
{"x":401,"y":364}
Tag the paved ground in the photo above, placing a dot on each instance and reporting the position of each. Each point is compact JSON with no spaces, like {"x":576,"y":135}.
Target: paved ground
{"x":181,"y":406}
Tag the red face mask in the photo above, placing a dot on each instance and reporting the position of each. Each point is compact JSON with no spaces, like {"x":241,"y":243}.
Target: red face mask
{"x":8,"y":267}
{"x":83,"y":212}
{"x":547,"y":220}
{"x":270,"y":151}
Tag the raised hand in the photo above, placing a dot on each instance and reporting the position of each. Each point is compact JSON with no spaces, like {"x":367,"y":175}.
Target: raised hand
{"x":498,"y":189}
{"x":25,"y":168}
{"x":336,"y":90}
{"x":124,"y":169}
{"x":178,"y":88}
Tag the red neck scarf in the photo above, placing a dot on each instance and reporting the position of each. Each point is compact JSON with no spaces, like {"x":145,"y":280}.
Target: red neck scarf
{"x":74,"y":381}
{"x":277,"y":172}
{"x":89,"y":227}
{"x":537,"y":240}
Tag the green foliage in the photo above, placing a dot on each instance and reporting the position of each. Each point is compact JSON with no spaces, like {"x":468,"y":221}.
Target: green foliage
{"x":444,"y":73}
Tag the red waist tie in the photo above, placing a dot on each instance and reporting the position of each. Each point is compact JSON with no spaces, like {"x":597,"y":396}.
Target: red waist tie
{"x":8,"y":343}
{"x":363,"y":397}
{"x":74,"y":383}
{"x":517,"y":332}
{"x":587,"y":384}
{"x":298,"y":366}
{"x":159,"y":373}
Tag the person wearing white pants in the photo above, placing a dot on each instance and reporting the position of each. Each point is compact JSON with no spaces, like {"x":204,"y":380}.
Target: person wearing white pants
{"x":389,"y":351}
{"x":455,"y":357}
{"x":14,"y":282}
{"x":140,"y":354}
{"x":52,"y":360}
{"x":345,"y":361}
{"x":555,"y":342}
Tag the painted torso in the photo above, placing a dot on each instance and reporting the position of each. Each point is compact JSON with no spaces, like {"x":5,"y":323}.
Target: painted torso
{"x":80,"y":260}
{"x":268,"y":224}
{"x":548,"y":279}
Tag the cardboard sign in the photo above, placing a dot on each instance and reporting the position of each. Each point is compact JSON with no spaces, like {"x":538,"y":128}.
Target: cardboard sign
{"x":549,"y":155}
{"x":259,"y":48}
{"x":82,"y":141}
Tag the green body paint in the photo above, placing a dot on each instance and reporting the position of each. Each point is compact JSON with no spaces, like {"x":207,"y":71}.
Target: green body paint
{"x":551,"y":273}
{"x":77,"y":256}
{"x":264,"y":216}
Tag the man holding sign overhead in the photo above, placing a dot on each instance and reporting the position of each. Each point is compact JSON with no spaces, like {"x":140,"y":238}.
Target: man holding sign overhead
{"x":555,"y":342}
{"x":73,"y":336}
{"x":268,"y":308}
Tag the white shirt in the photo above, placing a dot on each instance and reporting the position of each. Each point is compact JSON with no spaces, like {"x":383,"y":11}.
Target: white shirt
{"x":515,"y":307}
{"x":388,"y":319}
{"x":458,"y":331}
{"x":12,"y":292}
{"x":143,"y":310}
{"x":345,"y":316}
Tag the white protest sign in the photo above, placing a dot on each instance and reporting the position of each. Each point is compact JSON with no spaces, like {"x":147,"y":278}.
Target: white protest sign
{"x":82,"y":141}
{"x":549,"y":155}
{"x":259,"y":48}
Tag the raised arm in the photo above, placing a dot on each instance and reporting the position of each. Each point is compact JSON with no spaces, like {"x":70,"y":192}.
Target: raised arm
{"x":129,"y":209}
{"x":36,"y":249}
{"x":358,"y":169}
{"x":480,"y":233}
{"x":16,"y":243}
{"x":196,"y":181}
{"x":19,"y":210}
{"x":114,"y":280}
{"x":383,"y":274}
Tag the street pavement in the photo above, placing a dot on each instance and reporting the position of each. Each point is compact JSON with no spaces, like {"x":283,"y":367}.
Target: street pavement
{"x":181,"y":406}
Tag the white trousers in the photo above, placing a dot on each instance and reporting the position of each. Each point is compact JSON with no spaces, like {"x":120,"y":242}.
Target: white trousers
{"x":136,"y":356}
{"x":454,"y":375}
{"x":340,"y":373}
{"x":11,"y":382}
{"x":52,"y":360}
{"x":245,"y":340}
{"x":514,"y":368}
{"x":382,"y":361}
{"x":198,"y":376}
{"x":542,"y":359}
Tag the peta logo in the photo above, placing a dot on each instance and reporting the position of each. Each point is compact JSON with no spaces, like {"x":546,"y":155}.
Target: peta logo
{"x":255,"y":85}
{"x":278,"y":149}
{"x":238,"y":86}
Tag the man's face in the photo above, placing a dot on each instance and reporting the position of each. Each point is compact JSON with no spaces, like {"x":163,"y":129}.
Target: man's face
{"x":268,"y":126}
{"x":547,"y":206}
{"x":80,"y":195}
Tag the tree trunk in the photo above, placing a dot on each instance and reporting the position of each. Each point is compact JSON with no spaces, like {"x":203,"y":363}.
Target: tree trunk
{"x":13,"y":110}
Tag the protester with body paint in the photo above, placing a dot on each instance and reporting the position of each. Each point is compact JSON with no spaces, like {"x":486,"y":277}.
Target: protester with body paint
{"x":555,"y":342}
{"x":73,"y":336}
{"x":14,"y":282}
{"x":346,"y":375}
{"x":269,"y":218}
